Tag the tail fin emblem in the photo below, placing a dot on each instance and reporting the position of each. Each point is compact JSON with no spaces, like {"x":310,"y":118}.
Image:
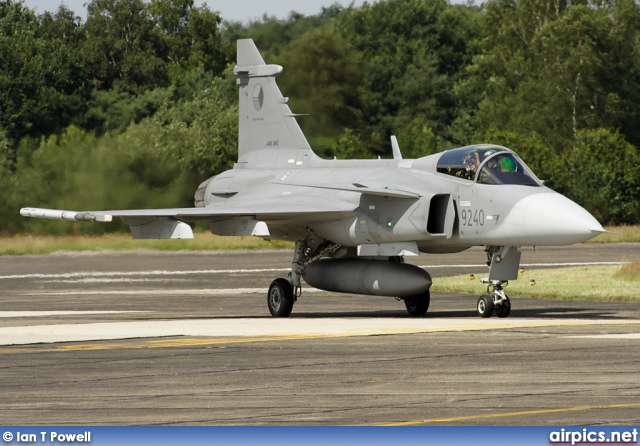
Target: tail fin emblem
{"x":258,"y":97}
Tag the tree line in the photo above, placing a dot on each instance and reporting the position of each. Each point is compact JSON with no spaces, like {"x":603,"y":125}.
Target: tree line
{"x":137,"y":104}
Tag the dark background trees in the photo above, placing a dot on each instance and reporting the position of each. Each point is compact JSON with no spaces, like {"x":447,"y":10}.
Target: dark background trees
{"x":136,"y":104}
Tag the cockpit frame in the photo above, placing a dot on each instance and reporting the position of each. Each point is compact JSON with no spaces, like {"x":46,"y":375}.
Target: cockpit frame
{"x":487,"y":164}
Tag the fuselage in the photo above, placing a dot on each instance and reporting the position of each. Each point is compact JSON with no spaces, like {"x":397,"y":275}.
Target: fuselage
{"x":440,"y":208}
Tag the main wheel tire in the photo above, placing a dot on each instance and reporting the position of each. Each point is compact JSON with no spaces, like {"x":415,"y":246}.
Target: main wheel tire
{"x":504,"y":310}
{"x":485,"y":306}
{"x":419,"y":304}
{"x":280,"y":298}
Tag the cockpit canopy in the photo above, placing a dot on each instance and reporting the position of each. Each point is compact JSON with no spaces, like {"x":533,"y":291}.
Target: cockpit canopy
{"x":487,"y":164}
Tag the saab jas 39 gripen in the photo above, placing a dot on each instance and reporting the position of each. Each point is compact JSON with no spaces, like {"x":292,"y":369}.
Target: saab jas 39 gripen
{"x":354,"y":221}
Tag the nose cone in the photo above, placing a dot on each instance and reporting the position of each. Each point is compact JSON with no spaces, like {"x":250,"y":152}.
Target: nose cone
{"x":552,"y":219}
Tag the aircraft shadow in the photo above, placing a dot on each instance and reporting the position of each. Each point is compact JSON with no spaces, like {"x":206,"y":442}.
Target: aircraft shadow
{"x":524,"y":313}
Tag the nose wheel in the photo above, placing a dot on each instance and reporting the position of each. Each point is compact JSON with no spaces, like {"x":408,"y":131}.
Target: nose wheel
{"x":504,"y":309}
{"x":485,"y":306}
{"x":496,"y":302}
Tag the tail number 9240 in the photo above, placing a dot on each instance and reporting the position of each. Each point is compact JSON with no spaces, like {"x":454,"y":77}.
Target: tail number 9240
{"x":472,"y":217}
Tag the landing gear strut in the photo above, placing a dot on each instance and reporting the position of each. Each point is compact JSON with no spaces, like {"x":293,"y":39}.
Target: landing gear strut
{"x":504,"y":262}
{"x":496,"y":302}
{"x":282,"y":292}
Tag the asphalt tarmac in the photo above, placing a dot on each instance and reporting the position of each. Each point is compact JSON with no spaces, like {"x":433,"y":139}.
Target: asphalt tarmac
{"x":185,"y":338}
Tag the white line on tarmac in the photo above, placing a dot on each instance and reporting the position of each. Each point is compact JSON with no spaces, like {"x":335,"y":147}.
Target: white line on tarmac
{"x":82,"y":274}
{"x":270,"y":327}
{"x":90,"y":274}
{"x":542,"y":265}
{"x":10,"y":314}
{"x":188,"y":292}
{"x":109,"y":280}
{"x":609,"y":336}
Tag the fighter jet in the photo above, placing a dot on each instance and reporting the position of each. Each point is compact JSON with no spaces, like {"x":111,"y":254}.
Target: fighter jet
{"x":354,"y":221}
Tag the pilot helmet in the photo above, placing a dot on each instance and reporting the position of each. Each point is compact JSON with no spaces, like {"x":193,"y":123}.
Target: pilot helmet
{"x":507,"y":164}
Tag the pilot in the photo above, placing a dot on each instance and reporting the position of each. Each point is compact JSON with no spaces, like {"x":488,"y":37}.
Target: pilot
{"x":491,"y":170}
{"x":493,"y":164}
{"x":502,"y":163}
{"x":495,"y":169}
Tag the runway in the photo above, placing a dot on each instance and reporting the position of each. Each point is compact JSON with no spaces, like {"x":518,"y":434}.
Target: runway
{"x":157,"y":338}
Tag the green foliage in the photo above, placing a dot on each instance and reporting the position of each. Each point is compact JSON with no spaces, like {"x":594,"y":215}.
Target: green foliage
{"x":190,"y":35}
{"x":553,"y":69}
{"x":323,"y":78}
{"x":63,"y":25}
{"x":273,"y":35}
{"x":349,"y":145}
{"x":603,"y":176}
{"x":15,"y":19}
{"x":114,"y":110}
{"x":200,"y":136}
{"x":420,"y":140}
{"x":79,"y":171}
{"x":413,"y":51}
{"x":123,"y":46}
{"x":43,"y":82}
{"x":156,"y":163}
{"x":137,"y":105}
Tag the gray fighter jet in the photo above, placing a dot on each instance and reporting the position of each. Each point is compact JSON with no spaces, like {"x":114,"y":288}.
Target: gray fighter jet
{"x":354,"y":221}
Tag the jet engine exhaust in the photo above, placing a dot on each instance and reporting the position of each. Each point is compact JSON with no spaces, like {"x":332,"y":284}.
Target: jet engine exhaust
{"x":372,"y":277}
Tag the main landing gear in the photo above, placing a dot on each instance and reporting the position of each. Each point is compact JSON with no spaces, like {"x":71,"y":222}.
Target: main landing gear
{"x":283,"y":293}
{"x":280,"y":298}
{"x":496,"y":301}
{"x":419,"y":304}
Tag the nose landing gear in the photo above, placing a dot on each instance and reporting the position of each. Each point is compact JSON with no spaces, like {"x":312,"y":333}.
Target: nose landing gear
{"x":496,"y":302}
{"x":504,"y":263}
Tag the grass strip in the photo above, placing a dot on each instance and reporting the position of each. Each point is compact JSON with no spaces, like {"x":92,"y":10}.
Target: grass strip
{"x":583,"y":283}
{"x":25,"y":244}
{"x":619,"y":234}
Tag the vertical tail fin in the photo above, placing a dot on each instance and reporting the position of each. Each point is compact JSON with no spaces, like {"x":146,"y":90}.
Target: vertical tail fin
{"x":265,"y":120}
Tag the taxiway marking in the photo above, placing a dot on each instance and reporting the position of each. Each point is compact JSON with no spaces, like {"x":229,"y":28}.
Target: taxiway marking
{"x":93,"y":274}
{"x":160,"y":343}
{"x":608,"y":336}
{"x":268,"y":328}
{"x":189,"y":292}
{"x":512,"y":414}
{"x":83,"y":274}
{"x":10,"y":314}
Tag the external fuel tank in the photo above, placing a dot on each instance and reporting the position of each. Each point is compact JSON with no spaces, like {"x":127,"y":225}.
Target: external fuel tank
{"x":373,"y":277}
